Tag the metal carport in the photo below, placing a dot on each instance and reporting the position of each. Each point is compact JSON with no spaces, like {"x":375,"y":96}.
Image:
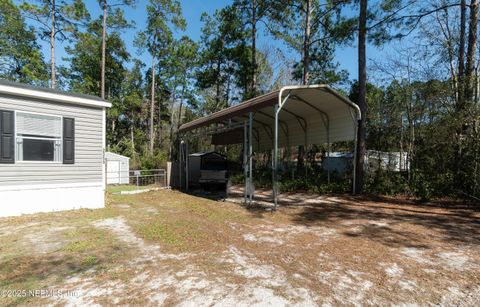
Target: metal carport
{"x":291,"y":116}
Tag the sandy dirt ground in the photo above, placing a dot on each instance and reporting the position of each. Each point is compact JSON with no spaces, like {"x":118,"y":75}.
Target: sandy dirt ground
{"x":174,"y":249}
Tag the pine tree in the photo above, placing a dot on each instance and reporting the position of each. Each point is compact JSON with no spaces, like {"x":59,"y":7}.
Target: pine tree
{"x":161,"y":16}
{"x":57,"y":20}
{"x":21,"y":58}
{"x":107,"y":8}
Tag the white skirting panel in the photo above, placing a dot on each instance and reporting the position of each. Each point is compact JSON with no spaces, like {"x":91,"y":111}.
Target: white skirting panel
{"x":18,"y":200}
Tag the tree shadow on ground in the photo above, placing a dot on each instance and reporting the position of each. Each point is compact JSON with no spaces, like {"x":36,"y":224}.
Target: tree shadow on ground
{"x":407,"y":222}
{"x":395,"y":222}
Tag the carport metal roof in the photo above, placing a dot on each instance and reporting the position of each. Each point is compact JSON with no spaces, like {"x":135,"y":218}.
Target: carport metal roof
{"x":291,"y":116}
{"x":314,"y":114}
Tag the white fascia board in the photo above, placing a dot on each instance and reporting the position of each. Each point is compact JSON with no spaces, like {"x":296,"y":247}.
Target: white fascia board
{"x":16,"y":91}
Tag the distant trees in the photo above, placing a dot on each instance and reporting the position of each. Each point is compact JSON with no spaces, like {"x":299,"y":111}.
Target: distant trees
{"x":57,"y":20}
{"x":310,"y":28}
{"x":156,"y":38}
{"x":252,"y":14}
{"x":107,"y":7}
{"x":438,"y":115}
{"x":20,"y":56}
{"x":220,"y":50}
{"x":84,"y":72}
{"x":181,"y":64}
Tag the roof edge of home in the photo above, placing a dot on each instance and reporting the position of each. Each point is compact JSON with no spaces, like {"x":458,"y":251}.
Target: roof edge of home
{"x":25,"y":90}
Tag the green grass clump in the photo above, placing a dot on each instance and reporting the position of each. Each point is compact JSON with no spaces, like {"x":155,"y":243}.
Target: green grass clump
{"x":77,"y":246}
{"x":89,"y":262}
{"x":177,"y":234}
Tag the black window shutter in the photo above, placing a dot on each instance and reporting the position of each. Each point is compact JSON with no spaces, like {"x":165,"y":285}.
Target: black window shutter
{"x":68,"y":140}
{"x":7,"y":136}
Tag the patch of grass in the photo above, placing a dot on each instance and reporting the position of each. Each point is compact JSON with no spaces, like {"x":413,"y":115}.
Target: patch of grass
{"x":31,"y":283}
{"x":120,"y":273}
{"x":89,"y":262}
{"x":88,"y":215}
{"x":184,"y":222}
{"x":213,"y":213}
{"x":160,"y":232}
{"x":87,"y":239}
{"x":76,"y":246}
{"x":178,"y":234}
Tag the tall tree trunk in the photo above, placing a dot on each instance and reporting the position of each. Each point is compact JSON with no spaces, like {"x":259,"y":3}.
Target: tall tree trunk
{"x":471,"y":50}
{"x":305,"y":74}
{"x":461,"y":170}
{"x":104,"y":47}
{"x":450,"y":42}
{"x":152,"y":105}
{"x":461,"y":94}
{"x":306,"y":43}
{"x":362,"y":95}
{"x":180,"y":110}
{"x":172,"y":117}
{"x":132,"y":140}
{"x":218,"y":84}
{"x":52,"y":47}
{"x":179,"y":122}
{"x":461,"y":55}
{"x":253,"y":90}
{"x":160,"y":127}
{"x":401,"y":146}
{"x":411,"y":127}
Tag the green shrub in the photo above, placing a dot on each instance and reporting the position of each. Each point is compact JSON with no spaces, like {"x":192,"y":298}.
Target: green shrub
{"x":386,"y":182}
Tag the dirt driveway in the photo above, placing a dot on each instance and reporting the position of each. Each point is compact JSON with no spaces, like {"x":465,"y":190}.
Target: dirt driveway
{"x":170,"y":248}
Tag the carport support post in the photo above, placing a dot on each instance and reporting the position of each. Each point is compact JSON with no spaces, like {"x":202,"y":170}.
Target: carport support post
{"x":180,"y":164}
{"x":275,"y":162}
{"x":328,"y":147}
{"x":245,"y":160}
{"x":250,"y":154}
{"x":186,"y":164}
{"x":354,"y":181}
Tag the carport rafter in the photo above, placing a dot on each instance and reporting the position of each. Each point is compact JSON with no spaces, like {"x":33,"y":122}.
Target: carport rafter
{"x":284,"y":124}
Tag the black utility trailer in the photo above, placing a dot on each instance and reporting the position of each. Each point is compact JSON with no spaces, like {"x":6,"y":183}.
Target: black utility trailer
{"x":207,"y":169}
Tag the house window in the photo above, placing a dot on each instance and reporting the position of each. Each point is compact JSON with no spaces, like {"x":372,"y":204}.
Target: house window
{"x":38,"y":137}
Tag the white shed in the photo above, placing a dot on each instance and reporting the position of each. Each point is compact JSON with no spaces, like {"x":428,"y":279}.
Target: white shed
{"x":118,"y":168}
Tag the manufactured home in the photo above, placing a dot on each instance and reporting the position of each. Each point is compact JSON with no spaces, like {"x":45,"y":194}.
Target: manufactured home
{"x":52,"y":146}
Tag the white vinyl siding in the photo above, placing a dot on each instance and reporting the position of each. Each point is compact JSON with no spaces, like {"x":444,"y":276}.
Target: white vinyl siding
{"x":88,"y":165}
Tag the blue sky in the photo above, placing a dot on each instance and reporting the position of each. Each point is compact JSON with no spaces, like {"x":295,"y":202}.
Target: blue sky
{"x":192,"y":10}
